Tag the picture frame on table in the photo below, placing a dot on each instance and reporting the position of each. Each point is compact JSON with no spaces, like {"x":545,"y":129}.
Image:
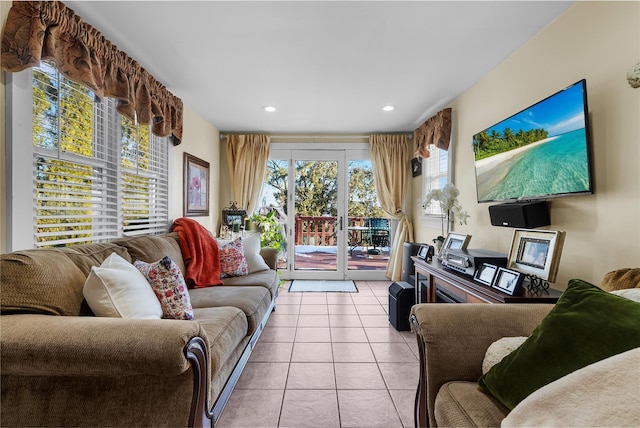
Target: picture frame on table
{"x":486,"y":274}
{"x":536,"y":252}
{"x":455,"y":241}
{"x":195,"y":186}
{"x":425,"y":252}
{"x":508,"y":281}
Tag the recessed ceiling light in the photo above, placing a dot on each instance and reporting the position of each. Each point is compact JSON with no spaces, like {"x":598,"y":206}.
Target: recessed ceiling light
{"x":388,"y":108}
{"x":269,"y":109}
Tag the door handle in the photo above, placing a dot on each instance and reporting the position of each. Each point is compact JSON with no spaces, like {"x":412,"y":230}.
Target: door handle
{"x":340,"y":224}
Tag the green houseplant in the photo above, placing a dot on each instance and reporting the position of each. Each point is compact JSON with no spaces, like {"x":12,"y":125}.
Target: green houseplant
{"x":271,"y":231}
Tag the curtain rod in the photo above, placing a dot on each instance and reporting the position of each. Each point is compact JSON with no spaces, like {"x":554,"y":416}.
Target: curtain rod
{"x":326,"y":136}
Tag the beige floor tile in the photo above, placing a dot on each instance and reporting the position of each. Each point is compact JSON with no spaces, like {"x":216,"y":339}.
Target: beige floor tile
{"x":339,"y":320}
{"x":358,"y":376}
{"x":365,"y":300}
{"x":367,"y":408}
{"x":313,"y":321}
{"x":282,"y":320}
{"x":346,"y":309}
{"x":311,"y":376}
{"x":263,"y":376}
{"x":404,"y":401}
{"x":381,"y":292}
{"x":352,"y":353}
{"x":287,"y":309}
{"x":348,"y":334}
{"x":309,"y":408}
{"x":374,"y":320}
{"x":313,"y":334}
{"x":289,"y":299}
{"x":383,"y":334}
{"x":370,"y":309}
{"x":312,"y":353}
{"x":400,"y":375}
{"x":278,"y":334}
{"x":364,"y":290}
{"x":314,"y":309}
{"x":393,"y":352}
{"x":271,"y":352}
{"x":265,"y":409}
{"x":314,"y":298}
{"x":339,"y":298}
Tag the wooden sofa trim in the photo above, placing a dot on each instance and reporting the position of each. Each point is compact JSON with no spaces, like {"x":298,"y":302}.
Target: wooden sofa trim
{"x":420,"y":411}
{"x":196,"y":353}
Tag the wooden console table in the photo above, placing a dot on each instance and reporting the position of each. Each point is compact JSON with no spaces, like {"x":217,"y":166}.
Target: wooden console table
{"x":463,"y":288}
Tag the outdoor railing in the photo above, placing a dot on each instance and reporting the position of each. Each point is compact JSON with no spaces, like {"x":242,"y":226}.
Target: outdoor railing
{"x":320,"y":230}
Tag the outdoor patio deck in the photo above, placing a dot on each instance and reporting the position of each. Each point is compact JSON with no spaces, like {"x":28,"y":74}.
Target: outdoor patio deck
{"x":358,"y":259}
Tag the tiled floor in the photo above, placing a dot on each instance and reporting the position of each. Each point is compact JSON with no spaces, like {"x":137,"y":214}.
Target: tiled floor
{"x":328,"y":360}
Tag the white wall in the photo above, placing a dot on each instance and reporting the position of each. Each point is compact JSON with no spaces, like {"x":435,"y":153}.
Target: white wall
{"x":598,"y":41}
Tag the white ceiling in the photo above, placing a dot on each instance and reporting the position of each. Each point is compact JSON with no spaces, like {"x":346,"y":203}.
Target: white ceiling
{"x":327,"y":66}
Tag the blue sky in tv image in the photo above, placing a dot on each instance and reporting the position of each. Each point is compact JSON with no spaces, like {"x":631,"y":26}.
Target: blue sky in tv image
{"x":560,"y":113}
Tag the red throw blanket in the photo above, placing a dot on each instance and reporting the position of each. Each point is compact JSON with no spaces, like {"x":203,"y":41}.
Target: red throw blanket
{"x":200,"y":253}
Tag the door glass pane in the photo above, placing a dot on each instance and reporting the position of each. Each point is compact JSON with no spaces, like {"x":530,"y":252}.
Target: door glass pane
{"x":274,"y":198}
{"x":316,"y":210}
{"x":368,"y":228}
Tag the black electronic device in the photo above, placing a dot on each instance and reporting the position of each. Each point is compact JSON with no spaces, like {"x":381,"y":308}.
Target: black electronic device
{"x":467,"y":261}
{"x":526,"y":215}
{"x":544,"y":151}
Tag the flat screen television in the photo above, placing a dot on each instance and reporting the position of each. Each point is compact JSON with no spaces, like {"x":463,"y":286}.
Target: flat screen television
{"x":541,"y":152}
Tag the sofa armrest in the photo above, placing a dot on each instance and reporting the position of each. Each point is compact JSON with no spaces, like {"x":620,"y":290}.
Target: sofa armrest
{"x":90,"y":346}
{"x":455,"y":338}
{"x":270,"y":256}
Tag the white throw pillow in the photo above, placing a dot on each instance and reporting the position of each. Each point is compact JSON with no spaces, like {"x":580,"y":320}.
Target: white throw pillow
{"x":117,"y":289}
{"x":602,"y":394}
{"x":500,"y":349}
{"x":251,"y":245}
{"x":629,"y":293}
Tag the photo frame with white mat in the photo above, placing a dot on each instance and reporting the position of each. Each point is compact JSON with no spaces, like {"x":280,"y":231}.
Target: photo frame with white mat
{"x":508,"y":281}
{"x":536,"y":252}
{"x":455,"y":241}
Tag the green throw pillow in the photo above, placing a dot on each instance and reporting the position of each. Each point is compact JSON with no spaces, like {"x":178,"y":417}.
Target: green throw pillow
{"x":586,"y":325}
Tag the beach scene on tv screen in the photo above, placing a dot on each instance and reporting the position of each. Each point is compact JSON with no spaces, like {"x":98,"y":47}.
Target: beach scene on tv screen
{"x":538,"y":152}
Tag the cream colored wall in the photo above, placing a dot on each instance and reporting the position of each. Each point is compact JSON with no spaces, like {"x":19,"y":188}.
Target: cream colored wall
{"x":598,"y":41}
{"x":200,"y":139}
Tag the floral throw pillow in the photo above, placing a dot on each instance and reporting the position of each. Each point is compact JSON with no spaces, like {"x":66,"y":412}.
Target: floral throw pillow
{"x":232,"y":260}
{"x":168,"y":284}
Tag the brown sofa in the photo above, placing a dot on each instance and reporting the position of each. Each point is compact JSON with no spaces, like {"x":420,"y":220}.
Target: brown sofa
{"x":453,"y":340}
{"x":62,"y":366}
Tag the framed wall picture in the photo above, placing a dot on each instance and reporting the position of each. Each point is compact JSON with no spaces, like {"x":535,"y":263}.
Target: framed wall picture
{"x":536,"y":252}
{"x":456,"y":241}
{"x":196,"y":187}
{"x":486,"y":273}
{"x":508,"y":281}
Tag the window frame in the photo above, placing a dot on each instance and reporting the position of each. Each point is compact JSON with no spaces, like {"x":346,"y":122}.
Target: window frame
{"x":21,"y":180}
{"x":434,"y":220}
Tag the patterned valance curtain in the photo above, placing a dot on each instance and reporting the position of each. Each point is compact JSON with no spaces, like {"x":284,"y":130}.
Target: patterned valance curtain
{"x":390,"y":160}
{"x":37,"y":30}
{"x":247,"y":157}
{"x":436,"y":130}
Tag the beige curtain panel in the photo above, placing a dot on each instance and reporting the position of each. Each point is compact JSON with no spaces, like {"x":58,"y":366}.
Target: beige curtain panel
{"x":37,"y":30}
{"x":436,"y":130}
{"x":247,"y":157}
{"x":391,"y":165}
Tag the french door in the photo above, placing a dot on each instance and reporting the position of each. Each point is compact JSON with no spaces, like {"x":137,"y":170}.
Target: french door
{"x":328,"y":196}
